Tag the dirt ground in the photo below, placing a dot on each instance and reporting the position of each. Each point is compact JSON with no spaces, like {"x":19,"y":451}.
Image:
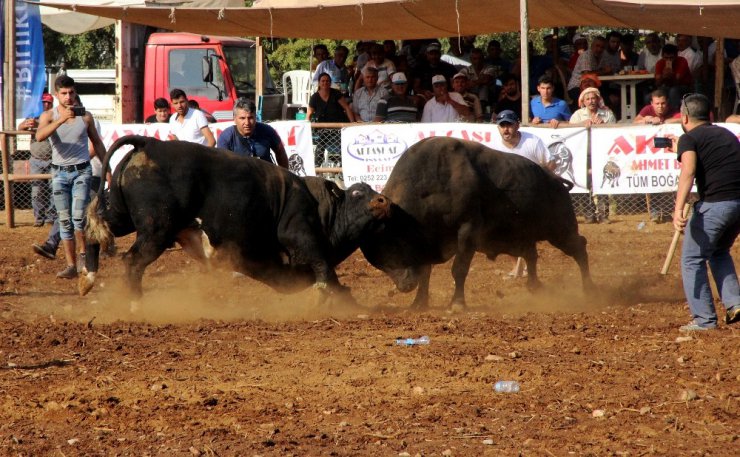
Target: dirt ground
{"x":218,"y":365}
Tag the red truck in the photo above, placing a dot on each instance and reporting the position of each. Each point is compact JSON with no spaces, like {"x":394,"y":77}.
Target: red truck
{"x":212,"y":70}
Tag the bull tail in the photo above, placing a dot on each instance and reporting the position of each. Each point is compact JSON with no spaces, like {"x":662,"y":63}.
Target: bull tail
{"x":98,"y":229}
{"x":137,"y":141}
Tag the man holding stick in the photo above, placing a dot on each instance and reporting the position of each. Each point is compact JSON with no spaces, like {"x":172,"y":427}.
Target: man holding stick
{"x":711,"y":154}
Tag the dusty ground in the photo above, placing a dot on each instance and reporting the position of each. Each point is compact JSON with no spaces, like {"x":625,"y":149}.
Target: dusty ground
{"x":215,"y":365}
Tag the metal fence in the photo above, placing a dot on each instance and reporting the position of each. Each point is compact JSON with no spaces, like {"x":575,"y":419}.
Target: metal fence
{"x":327,"y":141}
{"x":327,"y":158}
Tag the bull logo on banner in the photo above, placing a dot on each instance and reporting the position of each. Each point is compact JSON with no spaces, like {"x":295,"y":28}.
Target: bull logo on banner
{"x":563,"y":158}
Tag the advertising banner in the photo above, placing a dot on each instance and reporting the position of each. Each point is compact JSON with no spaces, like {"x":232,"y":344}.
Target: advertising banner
{"x":296,"y":136}
{"x":369,"y":152}
{"x":30,"y":69}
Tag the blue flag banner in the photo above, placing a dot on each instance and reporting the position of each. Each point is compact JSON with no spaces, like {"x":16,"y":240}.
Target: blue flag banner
{"x":30,"y":71}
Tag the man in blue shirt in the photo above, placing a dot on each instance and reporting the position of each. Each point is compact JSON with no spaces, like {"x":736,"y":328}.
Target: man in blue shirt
{"x":250,"y":138}
{"x":547,"y":109}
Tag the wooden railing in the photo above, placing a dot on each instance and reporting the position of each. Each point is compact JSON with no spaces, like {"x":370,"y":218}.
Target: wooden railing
{"x":10,"y":178}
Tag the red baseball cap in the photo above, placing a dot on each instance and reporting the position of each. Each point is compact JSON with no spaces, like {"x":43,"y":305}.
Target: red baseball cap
{"x":47,"y":98}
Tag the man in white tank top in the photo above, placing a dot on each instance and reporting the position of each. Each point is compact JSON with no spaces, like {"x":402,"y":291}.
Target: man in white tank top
{"x":68,"y":128}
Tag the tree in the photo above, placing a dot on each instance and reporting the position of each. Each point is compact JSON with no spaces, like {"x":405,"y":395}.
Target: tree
{"x":94,"y":49}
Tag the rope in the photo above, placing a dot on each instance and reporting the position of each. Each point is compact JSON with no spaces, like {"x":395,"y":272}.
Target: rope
{"x":457,"y":11}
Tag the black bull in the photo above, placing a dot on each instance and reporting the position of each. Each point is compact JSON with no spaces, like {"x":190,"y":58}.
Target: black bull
{"x":285,"y":231}
{"x":453,"y":197}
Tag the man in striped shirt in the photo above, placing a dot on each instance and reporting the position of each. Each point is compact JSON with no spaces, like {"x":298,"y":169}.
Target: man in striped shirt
{"x":399,"y":106}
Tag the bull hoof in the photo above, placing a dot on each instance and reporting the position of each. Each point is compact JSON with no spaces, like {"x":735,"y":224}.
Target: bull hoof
{"x":534,"y":285}
{"x":85,"y":283}
{"x":420,"y":305}
{"x":457,"y":307}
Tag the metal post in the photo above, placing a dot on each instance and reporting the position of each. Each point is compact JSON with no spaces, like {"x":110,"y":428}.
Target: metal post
{"x":9,"y":67}
{"x":7,"y":188}
{"x":524,"y":49}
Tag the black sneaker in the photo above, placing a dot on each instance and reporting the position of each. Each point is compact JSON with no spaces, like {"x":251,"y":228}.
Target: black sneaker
{"x":732,"y":315}
{"x":590,"y":219}
{"x":70,"y":272}
{"x":44,"y":250}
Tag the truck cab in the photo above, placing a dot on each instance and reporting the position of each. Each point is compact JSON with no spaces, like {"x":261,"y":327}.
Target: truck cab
{"x":212,"y":70}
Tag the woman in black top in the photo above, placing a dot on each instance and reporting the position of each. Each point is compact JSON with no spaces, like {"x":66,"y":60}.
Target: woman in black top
{"x":328,"y":105}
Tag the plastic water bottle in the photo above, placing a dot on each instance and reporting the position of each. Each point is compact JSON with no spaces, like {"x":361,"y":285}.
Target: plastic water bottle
{"x":506,"y":387}
{"x":641,"y":225}
{"x":326,"y":164}
{"x":412,"y":341}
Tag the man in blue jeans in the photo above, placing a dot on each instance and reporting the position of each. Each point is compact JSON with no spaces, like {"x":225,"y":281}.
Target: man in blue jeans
{"x":69,"y":130}
{"x":711,"y":154}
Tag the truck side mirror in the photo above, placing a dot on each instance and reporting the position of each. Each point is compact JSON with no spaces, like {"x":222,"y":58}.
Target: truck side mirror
{"x":207,"y":66}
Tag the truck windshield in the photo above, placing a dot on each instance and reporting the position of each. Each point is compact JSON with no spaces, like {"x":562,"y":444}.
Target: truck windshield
{"x":186,"y":73}
{"x":241,"y":63}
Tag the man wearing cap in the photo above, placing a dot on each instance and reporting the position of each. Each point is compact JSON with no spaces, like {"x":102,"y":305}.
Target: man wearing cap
{"x":592,"y":110}
{"x":40,"y":162}
{"x":432,"y":66}
{"x":524,"y":144}
{"x":521,"y":143}
{"x":445,"y":106}
{"x":366,"y":98}
{"x":399,"y":106}
{"x":460,"y":85}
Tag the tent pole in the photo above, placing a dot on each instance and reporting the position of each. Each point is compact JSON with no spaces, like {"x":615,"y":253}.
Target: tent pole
{"x":9,"y":67}
{"x":259,"y":83}
{"x":524,"y":49}
{"x":719,"y":77}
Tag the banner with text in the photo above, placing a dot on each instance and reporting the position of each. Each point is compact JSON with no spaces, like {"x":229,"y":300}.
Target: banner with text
{"x":296,"y":136}
{"x":369,"y":152}
{"x":625,"y":160}
{"x":30,"y":68}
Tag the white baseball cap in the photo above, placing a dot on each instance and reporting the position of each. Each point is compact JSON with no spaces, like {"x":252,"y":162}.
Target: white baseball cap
{"x":398,"y":78}
{"x":438,"y":79}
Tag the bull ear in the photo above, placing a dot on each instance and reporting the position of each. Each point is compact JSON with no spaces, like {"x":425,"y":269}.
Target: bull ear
{"x":333,"y":189}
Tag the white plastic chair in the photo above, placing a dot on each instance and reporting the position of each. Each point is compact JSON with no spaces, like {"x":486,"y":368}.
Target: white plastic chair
{"x":300,"y":90}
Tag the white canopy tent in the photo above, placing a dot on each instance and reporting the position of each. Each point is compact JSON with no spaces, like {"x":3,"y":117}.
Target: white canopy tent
{"x":72,"y":22}
{"x":406,"y":19}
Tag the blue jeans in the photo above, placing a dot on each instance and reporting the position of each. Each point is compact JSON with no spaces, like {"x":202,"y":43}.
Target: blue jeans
{"x":710,"y":234}
{"x":43,"y":207}
{"x":71,"y":197}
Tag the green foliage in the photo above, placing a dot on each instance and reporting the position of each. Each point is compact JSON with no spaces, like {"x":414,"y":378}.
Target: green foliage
{"x":94,"y":49}
{"x":295,"y":53}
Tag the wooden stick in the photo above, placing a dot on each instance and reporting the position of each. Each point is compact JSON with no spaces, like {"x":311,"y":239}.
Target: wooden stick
{"x":674,"y":244}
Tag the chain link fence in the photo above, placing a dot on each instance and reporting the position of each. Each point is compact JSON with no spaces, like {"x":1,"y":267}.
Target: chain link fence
{"x":36,"y":195}
{"x":658,"y":206}
{"x":29,"y":194}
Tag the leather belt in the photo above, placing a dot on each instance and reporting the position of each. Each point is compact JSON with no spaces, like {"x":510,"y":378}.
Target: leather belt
{"x":76,"y":167}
